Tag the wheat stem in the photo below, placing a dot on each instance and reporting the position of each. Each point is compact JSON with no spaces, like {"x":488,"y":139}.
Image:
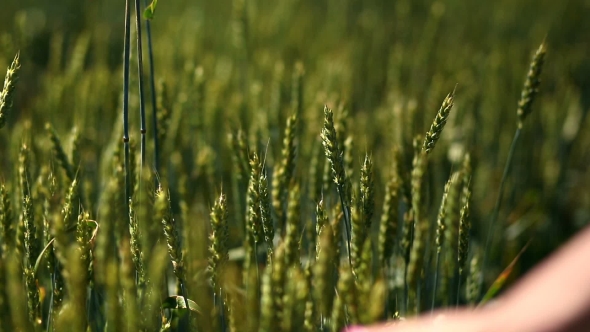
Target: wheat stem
{"x":496,"y":210}
{"x":126,"y":54}
{"x":154,"y":97}
{"x":528,"y":94}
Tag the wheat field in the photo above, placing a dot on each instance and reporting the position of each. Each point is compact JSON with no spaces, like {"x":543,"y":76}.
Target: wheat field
{"x":298,"y":165}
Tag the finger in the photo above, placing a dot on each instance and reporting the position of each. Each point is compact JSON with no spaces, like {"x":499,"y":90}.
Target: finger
{"x":465,"y":320}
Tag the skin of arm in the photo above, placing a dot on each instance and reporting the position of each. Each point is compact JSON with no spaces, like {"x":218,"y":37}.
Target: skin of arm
{"x":553,"y":297}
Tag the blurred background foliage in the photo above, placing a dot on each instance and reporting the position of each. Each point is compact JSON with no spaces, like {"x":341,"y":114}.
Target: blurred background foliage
{"x":387,"y":64}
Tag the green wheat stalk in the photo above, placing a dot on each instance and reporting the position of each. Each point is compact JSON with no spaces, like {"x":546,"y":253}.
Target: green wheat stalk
{"x":528,"y":94}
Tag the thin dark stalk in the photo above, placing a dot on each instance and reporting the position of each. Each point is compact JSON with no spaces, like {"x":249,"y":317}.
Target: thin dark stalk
{"x":50,"y":311}
{"x":418,"y":296}
{"x":140,"y":80}
{"x":347,"y":226}
{"x":141,"y":101}
{"x":218,"y":301}
{"x":153,"y":96}
{"x":185,"y":295}
{"x":406,"y":286}
{"x":95,"y":299}
{"x":406,"y":290}
{"x":498,"y":201}
{"x":126,"y":49}
{"x":215,"y":299}
{"x":256,"y":262}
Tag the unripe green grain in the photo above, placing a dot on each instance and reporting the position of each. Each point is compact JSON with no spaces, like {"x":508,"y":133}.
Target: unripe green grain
{"x":240,"y":151}
{"x":265,"y":213}
{"x":253,"y":215}
{"x":170,"y":227}
{"x":135,"y":246}
{"x":323,"y":272}
{"x":309,"y":317}
{"x":6,"y":221}
{"x":292,"y":236}
{"x":18,"y":309}
{"x":410,"y":217}
{"x":531,"y":85}
{"x":348,"y":292}
{"x":69,"y":317}
{"x":31,"y":252}
{"x":296,"y":293}
{"x":364,"y":272}
{"x":388,"y":226}
{"x":367,"y":192}
{"x":333,"y":151}
{"x":338,"y":316}
{"x":4,"y":299}
{"x":7,"y":93}
{"x":464,"y":220}
{"x":321,"y":220}
{"x":75,"y":148}
{"x":128,"y":285}
{"x":334,"y":154}
{"x":316,"y":166}
{"x":267,"y":303}
{"x":279,"y":271}
{"x":452,"y":218}
{"x":113,"y":306}
{"x":59,"y":153}
{"x":372,"y":305}
{"x":420,"y":223}
{"x":109,"y":214}
{"x":358,"y":233}
{"x":218,"y":248}
{"x":284,"y":170}
{"x":473,"y":284}
{"x":440,"y":237}
{"x":442,"y":215}
{"x":439,"y":122}
{"x":348,"y":158}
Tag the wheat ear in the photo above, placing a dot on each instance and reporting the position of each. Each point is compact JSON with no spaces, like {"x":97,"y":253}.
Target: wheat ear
{"x":464,"y":221}
{"x":531,"y":85}
{"x":334,"y":155}
{"x":7,"y":93}
{"x":439,"y":122}
{"x":284,"y":171}
{"x":218,"y":238}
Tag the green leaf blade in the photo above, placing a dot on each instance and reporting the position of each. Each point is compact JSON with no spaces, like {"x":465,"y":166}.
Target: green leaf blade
{"x":502,"y":278}
{"x":150,"y":11}
{"x":177,"y":302}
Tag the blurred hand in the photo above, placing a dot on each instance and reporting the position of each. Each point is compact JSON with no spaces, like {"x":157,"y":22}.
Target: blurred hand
{"x":554,"y":297}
